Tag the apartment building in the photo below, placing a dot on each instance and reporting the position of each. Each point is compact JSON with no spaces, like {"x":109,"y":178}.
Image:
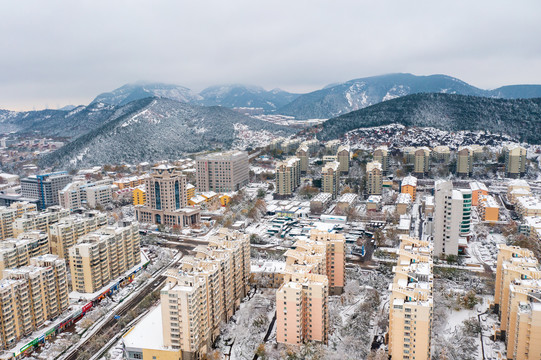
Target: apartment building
{"x":314,"y":269}
{"x":488,"y":208}
{"x":303,"y":153}
{"x":331,"y":147}
{"x":464,"y":161}
{"x":302,"y":310}
{"x":381,"y":155}
{"x":478,"y":190}
{"x":17,"y":252}
{"x":403,"y":203}
{"x":409,"y":186}
{"x":342,"y":156}
{"x":408,"y":153}
{"x":10,"y":213}
{"x":452,"y":218}
{"x":103,"y":255}
{"x":288,"y":176}
{"x":140,"y":195}
{"x":190,"y":191}
{"x":330,"y":182}
{"x":65,"y":233}
{"x":289,"y":146}
{"x":275,"y":144}
{"x":528,"y":206}
{"x":517,"y":300}
{"x":222,"y":172}
{"x":421,"y":160}
{"x":441,"y":154}
{"x":38,"y":220}
{"x":374,"y":178}
{"x":517,"y":188}
{"x":80,"y":193}
{"x":202,"y":293}
{"x":515,"y":160}
{"x":45,"y":187}
{"x":166,"y":199}
{"x":411,"y":303}
{"x":531,"y":227}
{"x":30,"y":296}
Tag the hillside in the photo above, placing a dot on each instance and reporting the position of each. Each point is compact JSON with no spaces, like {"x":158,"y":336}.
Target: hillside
{"x":156,"y":128}
{"x":338,"y":99}
{"x":521,"y":118}
{"x":137,"y":91}
{"x":232,"y":96}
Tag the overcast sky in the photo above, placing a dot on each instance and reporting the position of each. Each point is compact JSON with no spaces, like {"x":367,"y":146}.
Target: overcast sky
{"x":54,"y":53}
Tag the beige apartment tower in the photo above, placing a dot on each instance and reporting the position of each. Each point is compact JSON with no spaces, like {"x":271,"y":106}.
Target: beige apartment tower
{"x":381,"y":155}
{"x":518,"y":302}
{"x":303,"y":153}
{"x":342,"y":156}
{"x":374,"y":179}
{"x":515,"y":160}
{"x":9,"y":214}
{"x":411,"y":303}
{"x":330,"y":182}
{"x":222,"y":172}
{"x":464,"y":161}
{"x":204,"y":292}
{"x":15,"y":253}
{"x":288,"y":176}
{"x":421,"y":161}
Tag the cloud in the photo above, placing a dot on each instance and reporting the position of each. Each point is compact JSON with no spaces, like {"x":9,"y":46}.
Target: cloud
{"x":66,"y":52}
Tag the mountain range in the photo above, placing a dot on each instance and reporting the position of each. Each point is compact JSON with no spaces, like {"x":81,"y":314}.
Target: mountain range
{"x":519,"y":118}
{"x":151,"y":129}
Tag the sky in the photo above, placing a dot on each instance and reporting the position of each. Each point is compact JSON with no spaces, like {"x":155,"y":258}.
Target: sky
{"x":55,"y":53}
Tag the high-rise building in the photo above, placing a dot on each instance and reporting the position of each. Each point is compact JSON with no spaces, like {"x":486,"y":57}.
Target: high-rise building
{"x":464,"y":161}
{"x":288,"y":176}
{"x":515,"y":160}
{"x":330,"y":182}
{"x":441,"y":153}
{"x":45,"y":187}
{"x":31,"y":295}
{"x":222,"y":172}
{"x":17,"y":252}
{"x":374,"y":179}
{"x":166,"y":199}
{"x":103,"y":255}
{"x":381,"y":155}
{"x":343,"y":156}
{"x":65,"y":233}
{"x":9,"y":214}
{"x":78,"y":193}
{"x":204,"y":292}
{"x":303,"y":153}
{"x":421,"y":161}
{"x":314,"y":269}
{"x":517,"y":300}
{"x":452,"y":218}
{"x":411,"y":303}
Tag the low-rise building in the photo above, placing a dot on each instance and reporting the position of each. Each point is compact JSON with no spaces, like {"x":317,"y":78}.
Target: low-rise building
{"x":139,"y":195}
{"x":517,"y":188}
{"x":478,"y":189}
{"x":346,"y":201}
{"x":489,"y":210}
{"x":403,"y":203}
{"x":528,"y":206}
{"x":409,"y":186}
{"x":320,"y":202}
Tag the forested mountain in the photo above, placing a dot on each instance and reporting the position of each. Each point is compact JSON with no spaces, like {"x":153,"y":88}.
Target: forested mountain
{"x":157,"y":128}
{"x":131,"y":92}
{"x":519,"y":118}
{"x":356,"y":94}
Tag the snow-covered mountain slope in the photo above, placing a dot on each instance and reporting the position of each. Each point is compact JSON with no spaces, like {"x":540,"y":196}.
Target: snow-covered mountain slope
{"x":156,"y":128}
{"x":356,"y":94}
{"x":132,"y":92}
{"x":233,"y":96}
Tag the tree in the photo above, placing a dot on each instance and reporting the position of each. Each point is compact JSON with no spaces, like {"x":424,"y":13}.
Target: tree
{"x":261,"y":193}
